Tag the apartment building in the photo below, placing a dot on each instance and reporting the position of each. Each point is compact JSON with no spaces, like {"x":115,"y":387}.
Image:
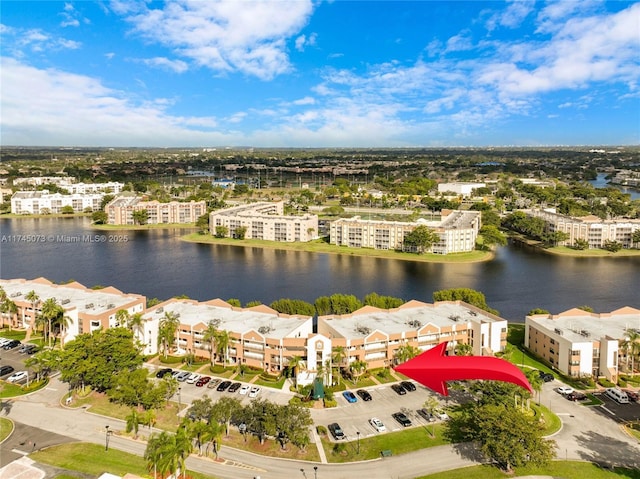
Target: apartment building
{"x":44,"y":180}
{"x":87,"y":309}
{"x":266,"y":221}
{"x":458,"y":231}
{"x":579,"y":343}
{"x":43,"y":202}
{"x":462,"y":189}
{"x":374,"y":335}
{"x":120,"y":211}
{"x":592,"y":229}
{"x":259,"y":337}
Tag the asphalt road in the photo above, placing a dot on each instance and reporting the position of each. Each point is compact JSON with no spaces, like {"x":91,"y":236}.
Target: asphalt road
{"x":585,"y":435}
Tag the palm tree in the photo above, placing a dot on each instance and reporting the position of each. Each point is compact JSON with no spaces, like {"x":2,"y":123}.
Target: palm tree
{"x":122,"y":317}
{"x":358,"y":368}
{"x":133,"y":421}
{"x":533,"y":376}
{"x":50,"y":312}
{"x":154,"y":454}
{"x":135,"y":323}
{"x":34,"y":299}
{"x":223,"y":340}
{"x":406,"y":352}
{"x":182,"y":448}
{"x":295,"y":363}
{"x":210,"y":336}
{"x":63,"y":323}
{"x":168,"y":328}
{"x":338,"y":357}
{"x":632,"y":345}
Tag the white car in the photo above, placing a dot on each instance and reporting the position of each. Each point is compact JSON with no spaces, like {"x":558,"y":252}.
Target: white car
{"x":564,"y":390}
{"x":244,"y":389}
{"x":377,"y":424}
{"x":193,"y":378}
{"x":254,"y":392}
{"x":17,"y":376}
{"x":443,"y":416}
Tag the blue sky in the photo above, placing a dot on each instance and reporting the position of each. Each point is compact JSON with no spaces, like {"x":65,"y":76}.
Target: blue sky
{"x":320,"y":74}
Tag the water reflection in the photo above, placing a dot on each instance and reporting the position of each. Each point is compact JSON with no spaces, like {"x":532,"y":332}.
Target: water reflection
{"x":158,"y":264}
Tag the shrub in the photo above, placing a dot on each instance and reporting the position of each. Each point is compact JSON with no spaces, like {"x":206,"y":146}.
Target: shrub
{"x":171,"y":359}
{"x":321,"y":430}
{"x":605,"y":383}
{"x":339,"y":448}
{"x":330,"y":402}
{"x":622,"y":383}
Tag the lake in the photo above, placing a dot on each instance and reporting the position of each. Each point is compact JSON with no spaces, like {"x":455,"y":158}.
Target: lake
{"x":157,"y":264}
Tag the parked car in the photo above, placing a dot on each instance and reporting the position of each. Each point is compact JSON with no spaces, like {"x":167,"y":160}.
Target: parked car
{"x":30,"y":349}
{"x":565,"y":390}
{"x":213,"y":383}
{"x":402,"y":419}
{"x":182,"y":376}
{"x":336,"y":431}
{"x":253,"y":393}
{"x":546,"y":377}
{"x":4,"y":370}
{"x":203,"y":381}
{"x":377,"y":424}
{"x":164,"y":372}
{"x":408,"y":386}
{"x":4,"y":341}
{"x":632,"y":395}
{"x":364,"y":395}
{"x":576,"y":396}
{"x":443,"y":416}
{"x":14,"y":343}
{"x":398,"y":389}
{"x":234,"y":387}
{"x":22,"y":349}
{"x":426,"y":415}
{"x":349,"y":396}
{"x":244,"y":389}
{"x":223,"y":385}
{"x":193,"y":378}
{"x":17,"y":376}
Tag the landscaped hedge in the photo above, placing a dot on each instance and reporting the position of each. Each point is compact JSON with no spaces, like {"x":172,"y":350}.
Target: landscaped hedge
{"x":171,"y":360}
{"x":605,"y":383}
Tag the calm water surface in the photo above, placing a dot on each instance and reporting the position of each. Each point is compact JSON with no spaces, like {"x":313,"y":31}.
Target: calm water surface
{"x":158,"y":264}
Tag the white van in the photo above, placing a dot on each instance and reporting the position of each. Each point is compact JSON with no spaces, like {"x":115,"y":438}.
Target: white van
{"x":617,"y":395}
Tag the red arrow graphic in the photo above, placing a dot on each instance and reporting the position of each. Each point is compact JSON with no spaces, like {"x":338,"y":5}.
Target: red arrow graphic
{"x":432,"y":369}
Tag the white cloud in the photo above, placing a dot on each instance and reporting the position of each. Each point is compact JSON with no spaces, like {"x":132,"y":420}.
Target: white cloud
{"x":302,"y":41}
{"x":41,"y":107}
{"x":177,"y":66}
{"x":249,"y":37}
{"x":512,"y":16}
{"x":307,"y":100}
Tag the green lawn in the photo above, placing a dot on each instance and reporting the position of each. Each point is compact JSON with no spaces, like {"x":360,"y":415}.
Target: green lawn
{"x":6,"y":428}
{"x":563,"y":469}
{"x":321,"y":246}
{"x":400,"y":442}
{"x":93,"y":459}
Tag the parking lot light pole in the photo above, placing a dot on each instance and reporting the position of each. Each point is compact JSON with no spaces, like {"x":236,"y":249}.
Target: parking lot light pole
{"x":315,"y":472}
{"x":303,"y":473}
{"x":179,"y":399}
{"x":106,"y":437}
{"x":358,"y":434}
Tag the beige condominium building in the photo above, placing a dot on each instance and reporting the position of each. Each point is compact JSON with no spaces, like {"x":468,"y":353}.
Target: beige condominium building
{"x":374,"y":335}
{"x":120,"y":211}
{"x":265,"y":221}
{"x":43,"y":202}
{"x":593,"y":229}
{"x":458,"y":231}
{"x":87,"y":309}
{"x":579,"y":343}
{"x":259,"y":336}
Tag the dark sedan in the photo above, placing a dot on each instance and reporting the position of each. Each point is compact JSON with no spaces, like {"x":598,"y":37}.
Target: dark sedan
{"x":408,"y":386}
{"x":223,"y":385}
{"x":364,"y":395}
{"x":164,"y":372}
{"x":398,"y":389}
{"x":234,"y":387}
{"x":402,"y":419}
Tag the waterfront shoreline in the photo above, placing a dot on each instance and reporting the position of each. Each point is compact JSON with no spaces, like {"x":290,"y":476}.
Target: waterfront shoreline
{"x":325,"y":248}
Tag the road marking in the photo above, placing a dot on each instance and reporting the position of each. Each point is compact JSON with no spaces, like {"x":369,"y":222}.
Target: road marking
{"x":609,"y":411}
{"x":18,"y":451}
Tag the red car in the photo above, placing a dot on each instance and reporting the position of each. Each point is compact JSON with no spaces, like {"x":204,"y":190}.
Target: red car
{"x":202,"y":381}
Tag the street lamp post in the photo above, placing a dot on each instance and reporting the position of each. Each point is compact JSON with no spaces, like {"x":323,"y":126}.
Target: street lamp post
{"x":302,"y":471}
{"x":179,"y":398}
{"x":315,"y":472}
{"x":107,"y":433}
{"x":358,"y":434}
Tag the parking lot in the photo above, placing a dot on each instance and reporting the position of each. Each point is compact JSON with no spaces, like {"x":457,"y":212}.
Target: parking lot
{"x":617,"y":411}
{"x":11,"y":357}
{"x":354,"y":417}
